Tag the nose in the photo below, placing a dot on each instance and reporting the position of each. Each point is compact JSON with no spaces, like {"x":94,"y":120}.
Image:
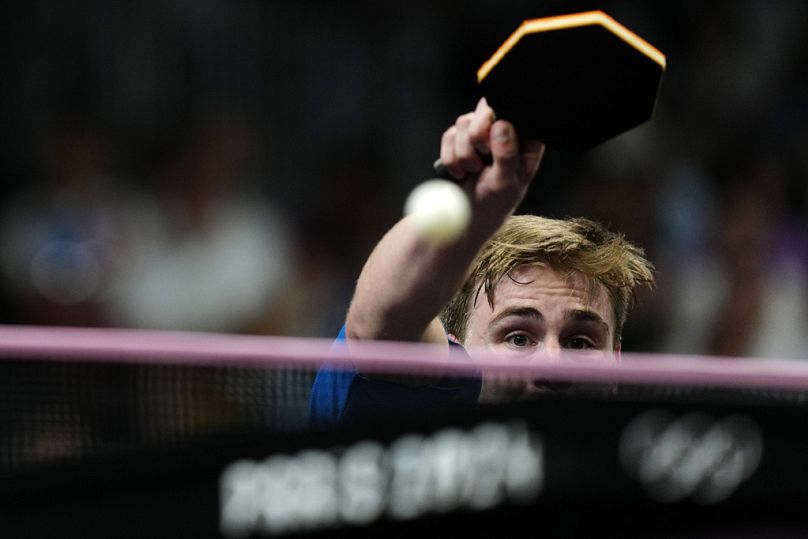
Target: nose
{"x":549,"y":351}
{"x":550,"y":354}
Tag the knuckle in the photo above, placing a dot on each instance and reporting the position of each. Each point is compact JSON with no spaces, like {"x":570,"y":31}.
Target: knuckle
{"x":464,"y":120}
{"x":477,"y":129}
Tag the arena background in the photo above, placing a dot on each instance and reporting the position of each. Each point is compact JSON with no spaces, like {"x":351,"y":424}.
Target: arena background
{"x":227,"y":166}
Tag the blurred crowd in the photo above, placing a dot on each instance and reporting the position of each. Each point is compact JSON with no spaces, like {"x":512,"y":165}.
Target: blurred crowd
{"x":226,"y":166}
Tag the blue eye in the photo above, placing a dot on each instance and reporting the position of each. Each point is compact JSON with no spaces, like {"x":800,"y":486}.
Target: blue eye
{"x":518,"y":340}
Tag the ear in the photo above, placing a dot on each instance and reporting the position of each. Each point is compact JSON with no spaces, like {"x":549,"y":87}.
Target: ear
{"x":435,"y":333}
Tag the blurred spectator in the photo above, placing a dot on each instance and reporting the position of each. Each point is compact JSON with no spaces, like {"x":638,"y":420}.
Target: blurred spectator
{"x":335,"y":232}
{"x":744,"y":292}
{"x":210,"y":253}
{"x":765,"y":312}
{"x":60,"y":237}
{"x":200,"y":248}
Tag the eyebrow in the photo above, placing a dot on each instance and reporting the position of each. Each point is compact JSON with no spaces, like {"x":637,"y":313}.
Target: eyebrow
{"x":522,"y":312}
{"x":578,"y":315}
{"x":584,"y":315}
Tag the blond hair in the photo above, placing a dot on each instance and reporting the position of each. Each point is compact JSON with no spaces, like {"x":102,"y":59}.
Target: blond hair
{"x":568,"y":245}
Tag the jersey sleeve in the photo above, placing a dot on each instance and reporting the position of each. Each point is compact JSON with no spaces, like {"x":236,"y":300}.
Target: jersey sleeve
{"x":341,"y":395}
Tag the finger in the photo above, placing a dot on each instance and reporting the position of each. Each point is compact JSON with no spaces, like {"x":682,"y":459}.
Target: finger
{"x":480,"y":126}
{"x":464,"y":150}
{"x":447,"y":154}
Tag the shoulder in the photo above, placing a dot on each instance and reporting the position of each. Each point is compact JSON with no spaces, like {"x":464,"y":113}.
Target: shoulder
{"x":341,"y":395}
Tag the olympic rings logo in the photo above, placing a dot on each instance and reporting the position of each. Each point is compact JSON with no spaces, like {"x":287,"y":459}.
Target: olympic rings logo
{"x":694,"y":456}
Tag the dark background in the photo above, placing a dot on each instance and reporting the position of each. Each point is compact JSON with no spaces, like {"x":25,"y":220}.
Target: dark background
{"x":228,"y":165}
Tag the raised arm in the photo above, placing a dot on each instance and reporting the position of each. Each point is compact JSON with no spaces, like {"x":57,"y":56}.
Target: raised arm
{"x":407,"y":281}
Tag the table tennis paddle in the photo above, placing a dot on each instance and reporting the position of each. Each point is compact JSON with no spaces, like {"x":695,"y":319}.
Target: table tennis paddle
{"x":572,"y":81}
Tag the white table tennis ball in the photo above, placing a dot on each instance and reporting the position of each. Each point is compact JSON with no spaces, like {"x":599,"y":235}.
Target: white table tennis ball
{"x":440,"y":211}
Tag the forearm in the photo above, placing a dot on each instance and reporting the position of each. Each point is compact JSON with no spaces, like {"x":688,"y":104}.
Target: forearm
{"x":407,"y":281}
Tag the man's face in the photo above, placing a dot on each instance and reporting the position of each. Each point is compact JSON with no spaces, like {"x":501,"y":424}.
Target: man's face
{"x":542,"y":315}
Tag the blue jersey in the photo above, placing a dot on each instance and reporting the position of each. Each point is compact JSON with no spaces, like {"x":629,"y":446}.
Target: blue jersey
{"x":340,"y":395}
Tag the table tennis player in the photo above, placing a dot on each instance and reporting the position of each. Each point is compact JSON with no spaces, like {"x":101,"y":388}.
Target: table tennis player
{"x":519,"y":286}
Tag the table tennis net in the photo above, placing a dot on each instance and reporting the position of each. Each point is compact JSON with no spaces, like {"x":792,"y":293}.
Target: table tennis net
{"x":71,"y":396}
{"x":62,"y":412}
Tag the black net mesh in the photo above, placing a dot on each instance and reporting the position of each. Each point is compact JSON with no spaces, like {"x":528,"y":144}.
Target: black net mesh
{"x":116,"y":446}
{"x":61,"y":412}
